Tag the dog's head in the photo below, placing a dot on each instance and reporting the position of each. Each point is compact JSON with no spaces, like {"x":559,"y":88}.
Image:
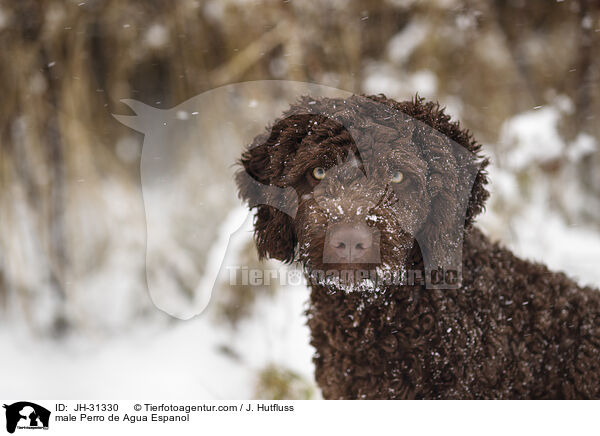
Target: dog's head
{"x":375,"y":179}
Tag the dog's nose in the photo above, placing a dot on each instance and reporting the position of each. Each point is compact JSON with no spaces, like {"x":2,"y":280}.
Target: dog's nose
{"x":350,"y":243}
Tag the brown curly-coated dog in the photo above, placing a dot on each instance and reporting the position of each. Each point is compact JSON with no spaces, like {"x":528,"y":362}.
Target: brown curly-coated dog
{"x":383,"y":191}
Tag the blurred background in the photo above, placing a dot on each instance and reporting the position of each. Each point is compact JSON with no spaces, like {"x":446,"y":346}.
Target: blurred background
{"x":75,"y":317}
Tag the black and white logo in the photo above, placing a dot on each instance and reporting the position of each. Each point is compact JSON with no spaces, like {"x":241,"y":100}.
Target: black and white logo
{"x":26,"y":415}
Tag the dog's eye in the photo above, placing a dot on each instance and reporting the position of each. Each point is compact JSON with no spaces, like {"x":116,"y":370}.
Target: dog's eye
{"x":318,"y":173}
{"x":397,"y":176}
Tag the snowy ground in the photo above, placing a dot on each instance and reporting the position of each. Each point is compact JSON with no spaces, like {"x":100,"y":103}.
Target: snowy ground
{"x":183,"y":360}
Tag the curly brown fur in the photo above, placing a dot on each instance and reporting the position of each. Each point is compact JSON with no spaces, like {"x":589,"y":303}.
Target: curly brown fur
{"x":513,"y":329}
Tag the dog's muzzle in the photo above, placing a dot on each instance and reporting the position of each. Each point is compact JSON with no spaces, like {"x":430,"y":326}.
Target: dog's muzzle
{"x":351,"y":243}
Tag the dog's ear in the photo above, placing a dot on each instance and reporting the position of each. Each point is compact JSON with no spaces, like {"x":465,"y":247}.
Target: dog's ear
{"x":274,"y":234}
{"x":452,"y":175}
{"x":275,"y":205}
{"x":431,"y":114}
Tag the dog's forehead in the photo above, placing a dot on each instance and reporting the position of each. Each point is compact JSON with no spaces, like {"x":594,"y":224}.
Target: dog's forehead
{"x":385,"y":154}
{"x":327,"y":152}
{"x":373,"y":156}
{"x":379,"y":135}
